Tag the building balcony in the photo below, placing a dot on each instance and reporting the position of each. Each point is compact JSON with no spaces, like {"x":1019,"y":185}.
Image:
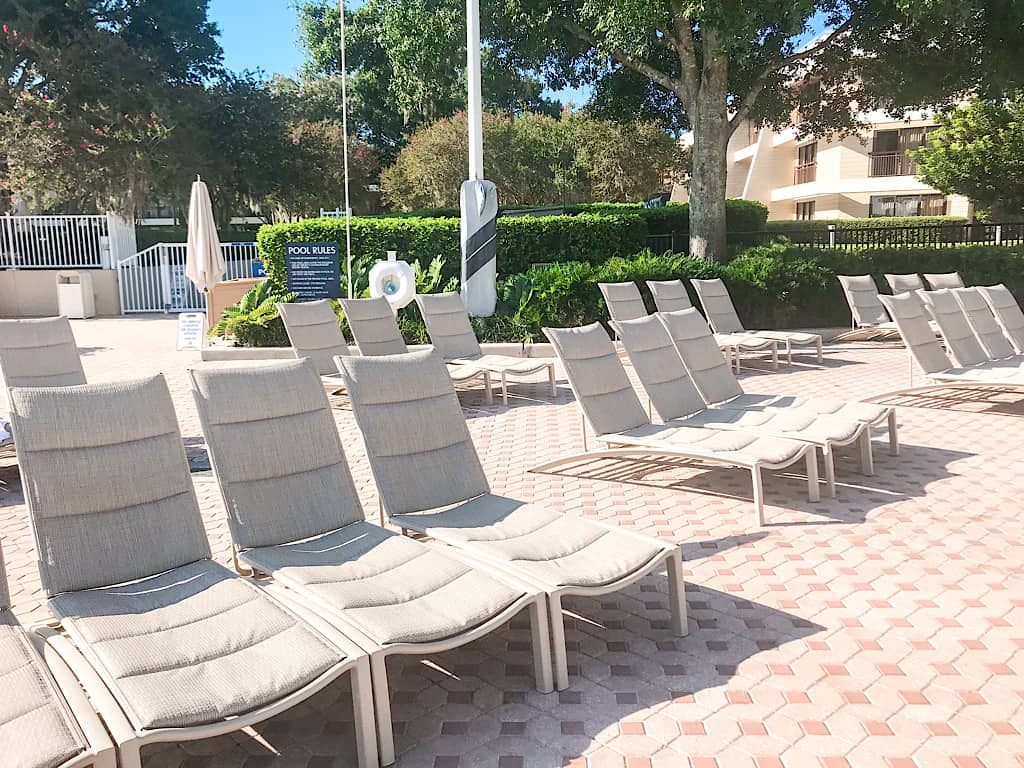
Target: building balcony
{"x":891,"y":164}
{"x":805,"y":173}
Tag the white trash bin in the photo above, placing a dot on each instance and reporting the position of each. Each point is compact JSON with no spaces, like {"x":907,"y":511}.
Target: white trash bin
{"x":75,"y":297}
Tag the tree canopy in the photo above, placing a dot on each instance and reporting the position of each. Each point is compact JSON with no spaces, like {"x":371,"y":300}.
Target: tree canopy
{"x":978,"y":152}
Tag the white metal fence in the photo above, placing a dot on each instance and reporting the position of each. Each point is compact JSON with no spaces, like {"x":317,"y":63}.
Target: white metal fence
{"x":54,"y":242}
{"x":154,"y":280}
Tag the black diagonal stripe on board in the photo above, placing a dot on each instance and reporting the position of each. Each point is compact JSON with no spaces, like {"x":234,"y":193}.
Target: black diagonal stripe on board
{"x":480,"y":247}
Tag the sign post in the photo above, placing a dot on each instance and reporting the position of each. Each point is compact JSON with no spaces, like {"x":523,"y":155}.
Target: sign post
{"x":313,"y":270}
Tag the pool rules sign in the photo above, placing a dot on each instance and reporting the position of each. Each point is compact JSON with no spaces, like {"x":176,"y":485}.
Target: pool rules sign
{"x":313,"y":270}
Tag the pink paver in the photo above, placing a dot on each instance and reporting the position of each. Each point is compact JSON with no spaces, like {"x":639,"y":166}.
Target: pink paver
{"x":882,"y":627}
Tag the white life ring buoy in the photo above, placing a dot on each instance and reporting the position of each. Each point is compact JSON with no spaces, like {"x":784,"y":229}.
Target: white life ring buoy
{"x":395,"y":281}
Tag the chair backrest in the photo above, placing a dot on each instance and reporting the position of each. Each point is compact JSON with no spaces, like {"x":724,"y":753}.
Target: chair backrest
{"x":945,"y":280}
{"x":718,"y":307}
{"x":314,"y":332}
{"x":281,"y":468}
{"x":602,"y":388}
{"x":862,"y":296}
{"x":659,"y":368}
{"x":448,"y":325}
{"x":420,"y":449}
{"x":905,"y":283}
{"x":964,"y":347}
{"x":1007,"y":313}
{"x":374,"y":326}
{"x":669,"y":295}
{"x":983,"y":323}
{"x":701,"y":355}
{"x":39,"y":353}
{"x":908,"y":312}
{"x":106,"y":483}
{"x":624,"y":301}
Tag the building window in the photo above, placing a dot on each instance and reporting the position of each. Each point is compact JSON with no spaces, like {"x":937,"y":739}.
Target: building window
{"x":806,"y":163}
{"x":908,"y":205}
{"x":890,"y":150}
{"x":805,"y":211}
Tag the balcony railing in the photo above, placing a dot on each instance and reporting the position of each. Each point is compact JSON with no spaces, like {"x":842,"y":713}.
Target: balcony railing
{"x":892,"y":164}
{"x":805,"y":173}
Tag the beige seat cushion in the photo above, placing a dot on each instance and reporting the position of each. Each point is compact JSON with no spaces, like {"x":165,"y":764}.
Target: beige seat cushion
{"x":798,"y":425}
{"x":395,"y":589}
{"x":556,"y":549}
{"x":35,"y":725}
{"x":499,"y":363}
{"x":868,"y":413}
{"x":728,"y":446}
{"x":194,"y":645}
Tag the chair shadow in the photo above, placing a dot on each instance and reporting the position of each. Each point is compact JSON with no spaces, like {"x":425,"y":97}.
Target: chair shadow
{"x":981,"y":399}
{"x":896,"y":478}
{"x":86,"y":351}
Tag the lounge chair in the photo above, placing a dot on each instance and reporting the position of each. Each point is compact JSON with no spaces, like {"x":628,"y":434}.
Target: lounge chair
{"x":46,"y":721}
{"x":39,"y":353}
{"x":423,"y":460}
{"x":865,"y":308}
{"x":909,"y":283}
{"x":180,"y":648}
{"x":452,"y":335}
{"x":721,"y":315}
{"x":1007,"y":313}
{"x":669,"y":295}
{"x":294,"y":514}
{"x":659,"y":366}
{"x":691,"y":336}
{"x":945,"y":280}
{"x":625,"y":303}
{"x":962,"y":344}
{"x":376,"y":332}
{"x":909,"y":313}
{"x":609,"y":404}
{"x":983,"y":323}
{"x":314,"y":332}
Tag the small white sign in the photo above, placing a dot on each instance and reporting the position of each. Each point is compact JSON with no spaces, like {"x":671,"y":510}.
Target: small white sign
{"x":191,"y":330}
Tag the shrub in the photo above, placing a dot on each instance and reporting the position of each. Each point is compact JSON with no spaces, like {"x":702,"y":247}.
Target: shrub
{"x":254,"y":320}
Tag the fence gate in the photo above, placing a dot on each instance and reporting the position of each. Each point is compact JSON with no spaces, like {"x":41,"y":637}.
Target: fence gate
{"x":154,"y":280}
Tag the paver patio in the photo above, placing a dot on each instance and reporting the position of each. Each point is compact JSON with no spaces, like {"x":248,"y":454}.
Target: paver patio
{"x":881,"y":628}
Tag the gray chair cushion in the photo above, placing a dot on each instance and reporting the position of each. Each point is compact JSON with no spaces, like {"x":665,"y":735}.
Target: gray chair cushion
{"x":730,"y":446}
{"x":559,"y":550}
{"x":623,"y":300}
{"x":669,"y":295}
{"x":963,"y":345}
{"x":701,"y":355}
{"x":280,"y":467}
{"x":907,"y":310}
{"x":448,"y":324}
{"x":374,"y":327}
{"x":905,"y":283}
{"x":416,"y":437}
{"x":1007,"y":313}
{"x":944,"y":280}
{"x":39,"y":353}
{"x":314,"y":332}
{"x":503,"y":363}
{"x":862,"y":296}
{"x":106,"y":481}
{"x":36,"y":730}
{"x":983,"y":323}
{"x":395,"y":589}
{"x":193,"y":645}
{"x":718,"y":306}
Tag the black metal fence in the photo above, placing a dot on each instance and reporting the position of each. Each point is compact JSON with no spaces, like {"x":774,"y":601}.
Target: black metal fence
{"x":924,"y":236}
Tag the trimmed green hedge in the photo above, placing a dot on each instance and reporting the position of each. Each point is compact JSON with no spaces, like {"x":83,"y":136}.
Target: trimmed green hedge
{"x":782,"y":226}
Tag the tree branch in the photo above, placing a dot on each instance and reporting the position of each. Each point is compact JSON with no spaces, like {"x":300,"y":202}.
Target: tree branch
{"x":687,"y":50}
{"x":635,"y":63}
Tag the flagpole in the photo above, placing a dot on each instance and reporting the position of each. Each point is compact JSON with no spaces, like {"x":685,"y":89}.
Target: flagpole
{"x":344,"y":131}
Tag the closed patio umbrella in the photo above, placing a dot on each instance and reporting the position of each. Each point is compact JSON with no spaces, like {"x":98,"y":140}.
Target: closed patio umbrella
{"x":204,"y":261}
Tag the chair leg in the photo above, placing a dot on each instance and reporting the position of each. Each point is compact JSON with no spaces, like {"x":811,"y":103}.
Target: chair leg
{"x":894,"y":439}
{"x":129,"y":754}
{"x":541,"y":640}
{"x":867,"y":461}
{"x":758,"y":495}
{"x":559,"y":655}
{"x":775,"y":355}
{"x":813,"y":491}
{"x":830,"y":471}
{"x":677,"y":595}
{"x":367,"y":732}
{"x":789,"y":352}
{"x":380,"y":510}
{"x":551,"y":379}
{"x":504,"y":388}
{"x":488,"y":394}
{"x":821,"y":358}
{"x":382,"y":708}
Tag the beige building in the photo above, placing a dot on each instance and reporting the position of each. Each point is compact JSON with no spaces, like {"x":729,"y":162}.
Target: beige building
{"x":868,"y":174}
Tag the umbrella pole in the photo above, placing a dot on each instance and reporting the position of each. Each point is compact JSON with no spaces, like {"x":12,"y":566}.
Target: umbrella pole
{"x":344,"y":144}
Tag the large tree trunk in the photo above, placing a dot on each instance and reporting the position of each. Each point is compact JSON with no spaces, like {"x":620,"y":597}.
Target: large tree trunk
{"x":711,"y":132}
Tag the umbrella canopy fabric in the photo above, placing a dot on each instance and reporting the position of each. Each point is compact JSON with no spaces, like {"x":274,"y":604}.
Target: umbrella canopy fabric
{"x":204,"y":261}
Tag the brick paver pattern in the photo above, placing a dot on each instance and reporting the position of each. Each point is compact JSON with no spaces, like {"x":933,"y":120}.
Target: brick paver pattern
{"x":882,"y":628}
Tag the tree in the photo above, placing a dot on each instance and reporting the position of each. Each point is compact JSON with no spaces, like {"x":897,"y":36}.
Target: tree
{"x":715,"y":65}
{"x":407,"y":61}
{"x":978,"y":152}
{"x":534,"y":160}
